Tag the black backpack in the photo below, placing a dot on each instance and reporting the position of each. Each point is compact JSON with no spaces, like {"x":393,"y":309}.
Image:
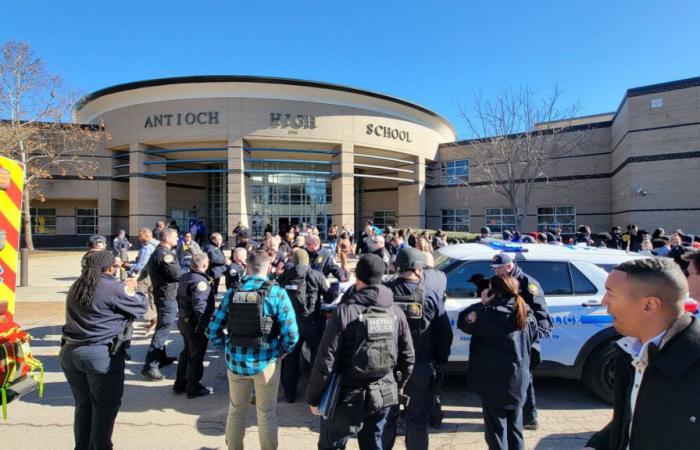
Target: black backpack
{"x":375,"y":350}
{"x":296,"y":289}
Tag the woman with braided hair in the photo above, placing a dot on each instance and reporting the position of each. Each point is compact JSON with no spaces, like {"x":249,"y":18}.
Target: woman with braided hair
{"x":98,"y":310}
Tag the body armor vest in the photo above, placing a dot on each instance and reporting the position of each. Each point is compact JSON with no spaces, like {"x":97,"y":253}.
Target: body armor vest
{"x":247,"y":324}
{"x":373,"y":353}
{"x":412,"y":306}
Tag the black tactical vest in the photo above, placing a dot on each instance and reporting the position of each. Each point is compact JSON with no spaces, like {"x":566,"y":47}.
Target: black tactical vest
{"x":413,"y":307}
{"x":246,"y":323}
{"x":374,"y":350}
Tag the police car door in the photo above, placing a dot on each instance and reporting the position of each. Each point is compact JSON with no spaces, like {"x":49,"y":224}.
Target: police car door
{"x":460,"y":294}
{"x":567,"y":288}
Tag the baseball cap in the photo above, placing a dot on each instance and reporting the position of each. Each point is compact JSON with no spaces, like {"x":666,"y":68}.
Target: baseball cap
{"x":501,"y":260}
{"x":370,"y":269}
{"x":485,"y":230}
{"x":244,"y":233}
{"x":96,"y":239}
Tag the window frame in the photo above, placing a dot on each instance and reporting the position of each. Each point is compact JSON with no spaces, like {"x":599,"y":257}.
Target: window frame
{"x":555,"y":214}
{"x":78,"y":226}
{"x":449,"y":171}
{"x":449,"y":221}
{"x":34,"y":213}
{"x":499,"y":227}
{"x":381,"y":215}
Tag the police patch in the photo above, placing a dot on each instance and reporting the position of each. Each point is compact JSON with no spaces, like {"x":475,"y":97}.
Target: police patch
{"x":377,"y":327}
{"x":168,"y":259}
{"x":414,"y":311}
{"x":319,"y":260}
{"x":244,"y":297}
{"x":471,"y":317}
{"x":532,"y":289}
{"x":250,"y":248}
{"x":128,"y":290}
{"x":202,"y":286}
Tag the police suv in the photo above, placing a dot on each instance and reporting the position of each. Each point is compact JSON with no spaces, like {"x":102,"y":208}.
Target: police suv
{"x":573,"y":281}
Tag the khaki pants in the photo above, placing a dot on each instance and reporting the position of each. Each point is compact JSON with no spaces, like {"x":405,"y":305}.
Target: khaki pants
{"x":266,"y":385}
{"x":144,"y":285}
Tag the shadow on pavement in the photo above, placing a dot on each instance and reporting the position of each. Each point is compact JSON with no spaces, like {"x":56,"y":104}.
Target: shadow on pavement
{"x":563,"y":441}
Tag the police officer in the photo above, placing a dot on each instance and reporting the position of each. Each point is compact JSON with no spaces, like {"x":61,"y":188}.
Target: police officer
{"x":217,"y":266}
{"x":503,"y":329}
{"x":245,"y":241}
{"x":192,"y":294}
{"x":306,"y":288}
{"x":96,"y":243}
{"x":366,"y":323}
{"x":164,"y":270}
{"x":92,"y":356}
{"x":531,"y":291}
{"x":322,"y":259}
{"x":431,"y":333}
{"x":236,"y":270}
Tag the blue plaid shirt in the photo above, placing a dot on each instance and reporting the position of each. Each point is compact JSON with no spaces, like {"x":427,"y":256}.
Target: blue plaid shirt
{"x":250,"y":361}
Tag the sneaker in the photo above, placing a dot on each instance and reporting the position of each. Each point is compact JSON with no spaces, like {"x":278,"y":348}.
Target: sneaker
{"x":531,"y":425}
{"x":152,"y":374}
{"x":200,"y":392}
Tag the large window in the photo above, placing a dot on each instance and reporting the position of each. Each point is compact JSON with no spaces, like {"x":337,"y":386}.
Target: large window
{"x":455,"y":219}
{"x":43,"y":220}
{"x":383,"y":218}
{"x":455,"y":172}
{"x":499,"y":219}
{"x":86,"y":221}
{"x":563,"y":217}
{"x":553,"y":276}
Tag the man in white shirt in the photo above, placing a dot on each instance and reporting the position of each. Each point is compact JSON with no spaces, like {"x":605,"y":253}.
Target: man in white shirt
{"x":657,"y":369}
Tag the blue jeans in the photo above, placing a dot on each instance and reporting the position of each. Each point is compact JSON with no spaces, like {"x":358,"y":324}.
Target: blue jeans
{"x":335,"y":434}
{"x":420,"y":389}
{"x":97,"y":383}
{"x":167,"y":315}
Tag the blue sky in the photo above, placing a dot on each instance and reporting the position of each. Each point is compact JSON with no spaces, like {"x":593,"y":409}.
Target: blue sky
{"x":433,"y":53}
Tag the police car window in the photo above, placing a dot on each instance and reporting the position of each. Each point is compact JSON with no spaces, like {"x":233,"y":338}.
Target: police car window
{"x":582,"y":285}
{"x":458,"y":284}
{"x":553,"y":276}
{"x":607,"y":267}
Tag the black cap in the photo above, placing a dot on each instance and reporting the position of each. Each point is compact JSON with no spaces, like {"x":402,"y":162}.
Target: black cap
{"x":409,"y":258}
{"x":370,"y":269}
{"x":501,"y":260}
{"x":96,"y":239}
{"x":485,"y":230}
{"x":476,"y":278}
{"x":244,"y":233}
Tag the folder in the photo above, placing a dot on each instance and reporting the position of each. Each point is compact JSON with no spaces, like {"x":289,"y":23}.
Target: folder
{"x":330,"y":396}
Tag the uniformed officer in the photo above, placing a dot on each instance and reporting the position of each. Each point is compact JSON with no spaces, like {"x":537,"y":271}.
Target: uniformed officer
{"x":431,"y":333}
{"x":306,"y":288}
{"x":503,"y":329}
{"x":217,"y":267}
{"x":164,"y":270}
{"x":98,"y":310}
{"x":95,"y":244}
{"x":366,"y":323}
{"x":321,"y":259}
{"x":245,"y":241}
{"x":236,"y":270}
{"x":192,"y":294}
{"x":531,"y":291}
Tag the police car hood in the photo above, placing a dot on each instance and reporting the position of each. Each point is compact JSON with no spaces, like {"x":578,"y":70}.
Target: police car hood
{"x":380,"y":296}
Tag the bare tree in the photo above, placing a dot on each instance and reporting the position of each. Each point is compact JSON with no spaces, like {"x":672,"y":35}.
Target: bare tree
{"x":32,"y":106}
{"x":516,"y":139}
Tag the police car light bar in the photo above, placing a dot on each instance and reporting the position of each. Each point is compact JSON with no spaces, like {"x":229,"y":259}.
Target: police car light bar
{"x":504,"y":246}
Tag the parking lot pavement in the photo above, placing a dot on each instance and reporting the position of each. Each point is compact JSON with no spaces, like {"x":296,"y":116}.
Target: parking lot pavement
{"x":152,"y":416}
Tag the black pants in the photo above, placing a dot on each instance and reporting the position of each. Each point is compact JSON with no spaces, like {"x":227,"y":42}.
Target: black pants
{"x":309,"y":332}
{"x":167,"y":315}
{"x":190,"y":363}
{"x":503,"y":427}
{"x":530,"y":407}
{"x":97,"y":383}
{"x":420,"y":388}
{"x":335,"y":434}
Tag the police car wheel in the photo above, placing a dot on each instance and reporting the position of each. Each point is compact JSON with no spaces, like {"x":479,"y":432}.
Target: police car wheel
{"x":599,"y":371}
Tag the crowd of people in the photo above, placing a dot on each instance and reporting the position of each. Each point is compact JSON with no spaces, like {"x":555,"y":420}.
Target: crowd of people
{"x":377,"y":353}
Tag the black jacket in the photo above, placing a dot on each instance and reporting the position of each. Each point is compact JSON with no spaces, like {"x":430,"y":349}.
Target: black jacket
{"x":217,"y":261}
{"x":339,"y":328}
{"x":499,"y":353}
{"x":192,"y":294}
{"x":667,"y":412}
{"x":165,"y":271}
{"x":435,"y":342}
{"x":323,"y":261}
{"x":318,"y":289}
